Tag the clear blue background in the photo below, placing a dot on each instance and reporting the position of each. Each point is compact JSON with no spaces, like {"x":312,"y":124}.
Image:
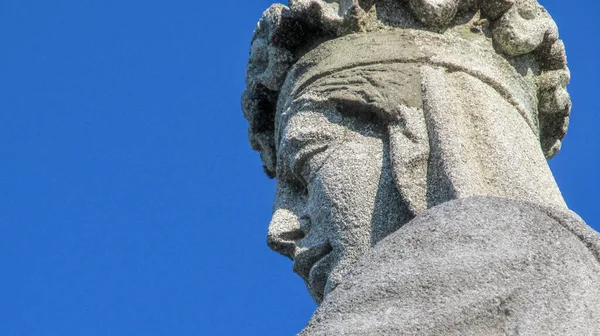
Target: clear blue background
{"x":130,"y":201}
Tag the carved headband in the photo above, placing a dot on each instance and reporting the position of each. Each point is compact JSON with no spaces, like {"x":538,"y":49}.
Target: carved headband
{"x":521,"y":30}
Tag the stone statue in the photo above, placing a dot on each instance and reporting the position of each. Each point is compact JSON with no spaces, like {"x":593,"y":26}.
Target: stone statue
{"x":409,"y":140}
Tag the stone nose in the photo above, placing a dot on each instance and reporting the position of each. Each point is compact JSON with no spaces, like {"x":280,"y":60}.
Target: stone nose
{"x":284,"y":232}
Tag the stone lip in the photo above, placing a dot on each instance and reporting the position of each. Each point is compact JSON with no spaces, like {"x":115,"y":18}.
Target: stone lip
{"x":306,"y":259}
{"x":479,"y":265}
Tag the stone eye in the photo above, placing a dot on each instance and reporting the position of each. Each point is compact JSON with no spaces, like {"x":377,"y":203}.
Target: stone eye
{"x":295,"y":182}
{"x":299,"y":185}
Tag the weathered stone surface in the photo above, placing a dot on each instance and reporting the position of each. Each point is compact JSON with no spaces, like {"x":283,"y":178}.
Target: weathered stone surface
{"x":374,"y":129}
{"x":285,"y":33}
{"x":474,"y":266}
{"x":521,"y":29}
{"x":371,"y":113}
{"x":495,"y":8}
{"x":434,"y":12}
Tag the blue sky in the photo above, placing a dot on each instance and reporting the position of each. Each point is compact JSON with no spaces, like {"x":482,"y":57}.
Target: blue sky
{"x":130,"y":201}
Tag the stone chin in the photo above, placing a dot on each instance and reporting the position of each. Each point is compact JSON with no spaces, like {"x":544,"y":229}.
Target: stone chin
{"x":315,"y":265}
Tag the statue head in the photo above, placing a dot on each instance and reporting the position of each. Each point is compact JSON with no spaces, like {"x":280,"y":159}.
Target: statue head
{"x":370,"y":112}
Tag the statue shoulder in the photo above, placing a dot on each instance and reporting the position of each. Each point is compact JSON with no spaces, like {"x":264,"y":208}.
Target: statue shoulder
{"x":478,"y":265}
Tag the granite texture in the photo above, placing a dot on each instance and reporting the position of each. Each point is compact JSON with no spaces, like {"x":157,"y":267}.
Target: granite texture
{"x":383,"y":120}
{"x":374,"y":129}
{"x":474,"y":266}
{"x":521,"y":31}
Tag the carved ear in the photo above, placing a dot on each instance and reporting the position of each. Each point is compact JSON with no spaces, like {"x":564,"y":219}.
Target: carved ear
{"x":409,"y":155}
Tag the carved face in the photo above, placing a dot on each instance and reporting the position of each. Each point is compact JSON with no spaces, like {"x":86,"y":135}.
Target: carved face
{"x":363,"y":148}
{"x":335,"y":193}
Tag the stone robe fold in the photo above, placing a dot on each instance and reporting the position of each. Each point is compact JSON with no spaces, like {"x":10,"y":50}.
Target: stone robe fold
{"x":473,"y":266}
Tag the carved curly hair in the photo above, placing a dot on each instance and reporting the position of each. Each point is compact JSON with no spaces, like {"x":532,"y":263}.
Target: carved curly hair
{"x":285,"y":33}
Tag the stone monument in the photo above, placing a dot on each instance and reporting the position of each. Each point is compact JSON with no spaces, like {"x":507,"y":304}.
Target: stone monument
{"x":409,"y":140}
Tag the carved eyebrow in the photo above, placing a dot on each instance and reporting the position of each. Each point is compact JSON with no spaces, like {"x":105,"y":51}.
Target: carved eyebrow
{"x":304,"y":154}
{"x":310,"y":150}
{"x":298,"y":149}
{"x":299,"y":146}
